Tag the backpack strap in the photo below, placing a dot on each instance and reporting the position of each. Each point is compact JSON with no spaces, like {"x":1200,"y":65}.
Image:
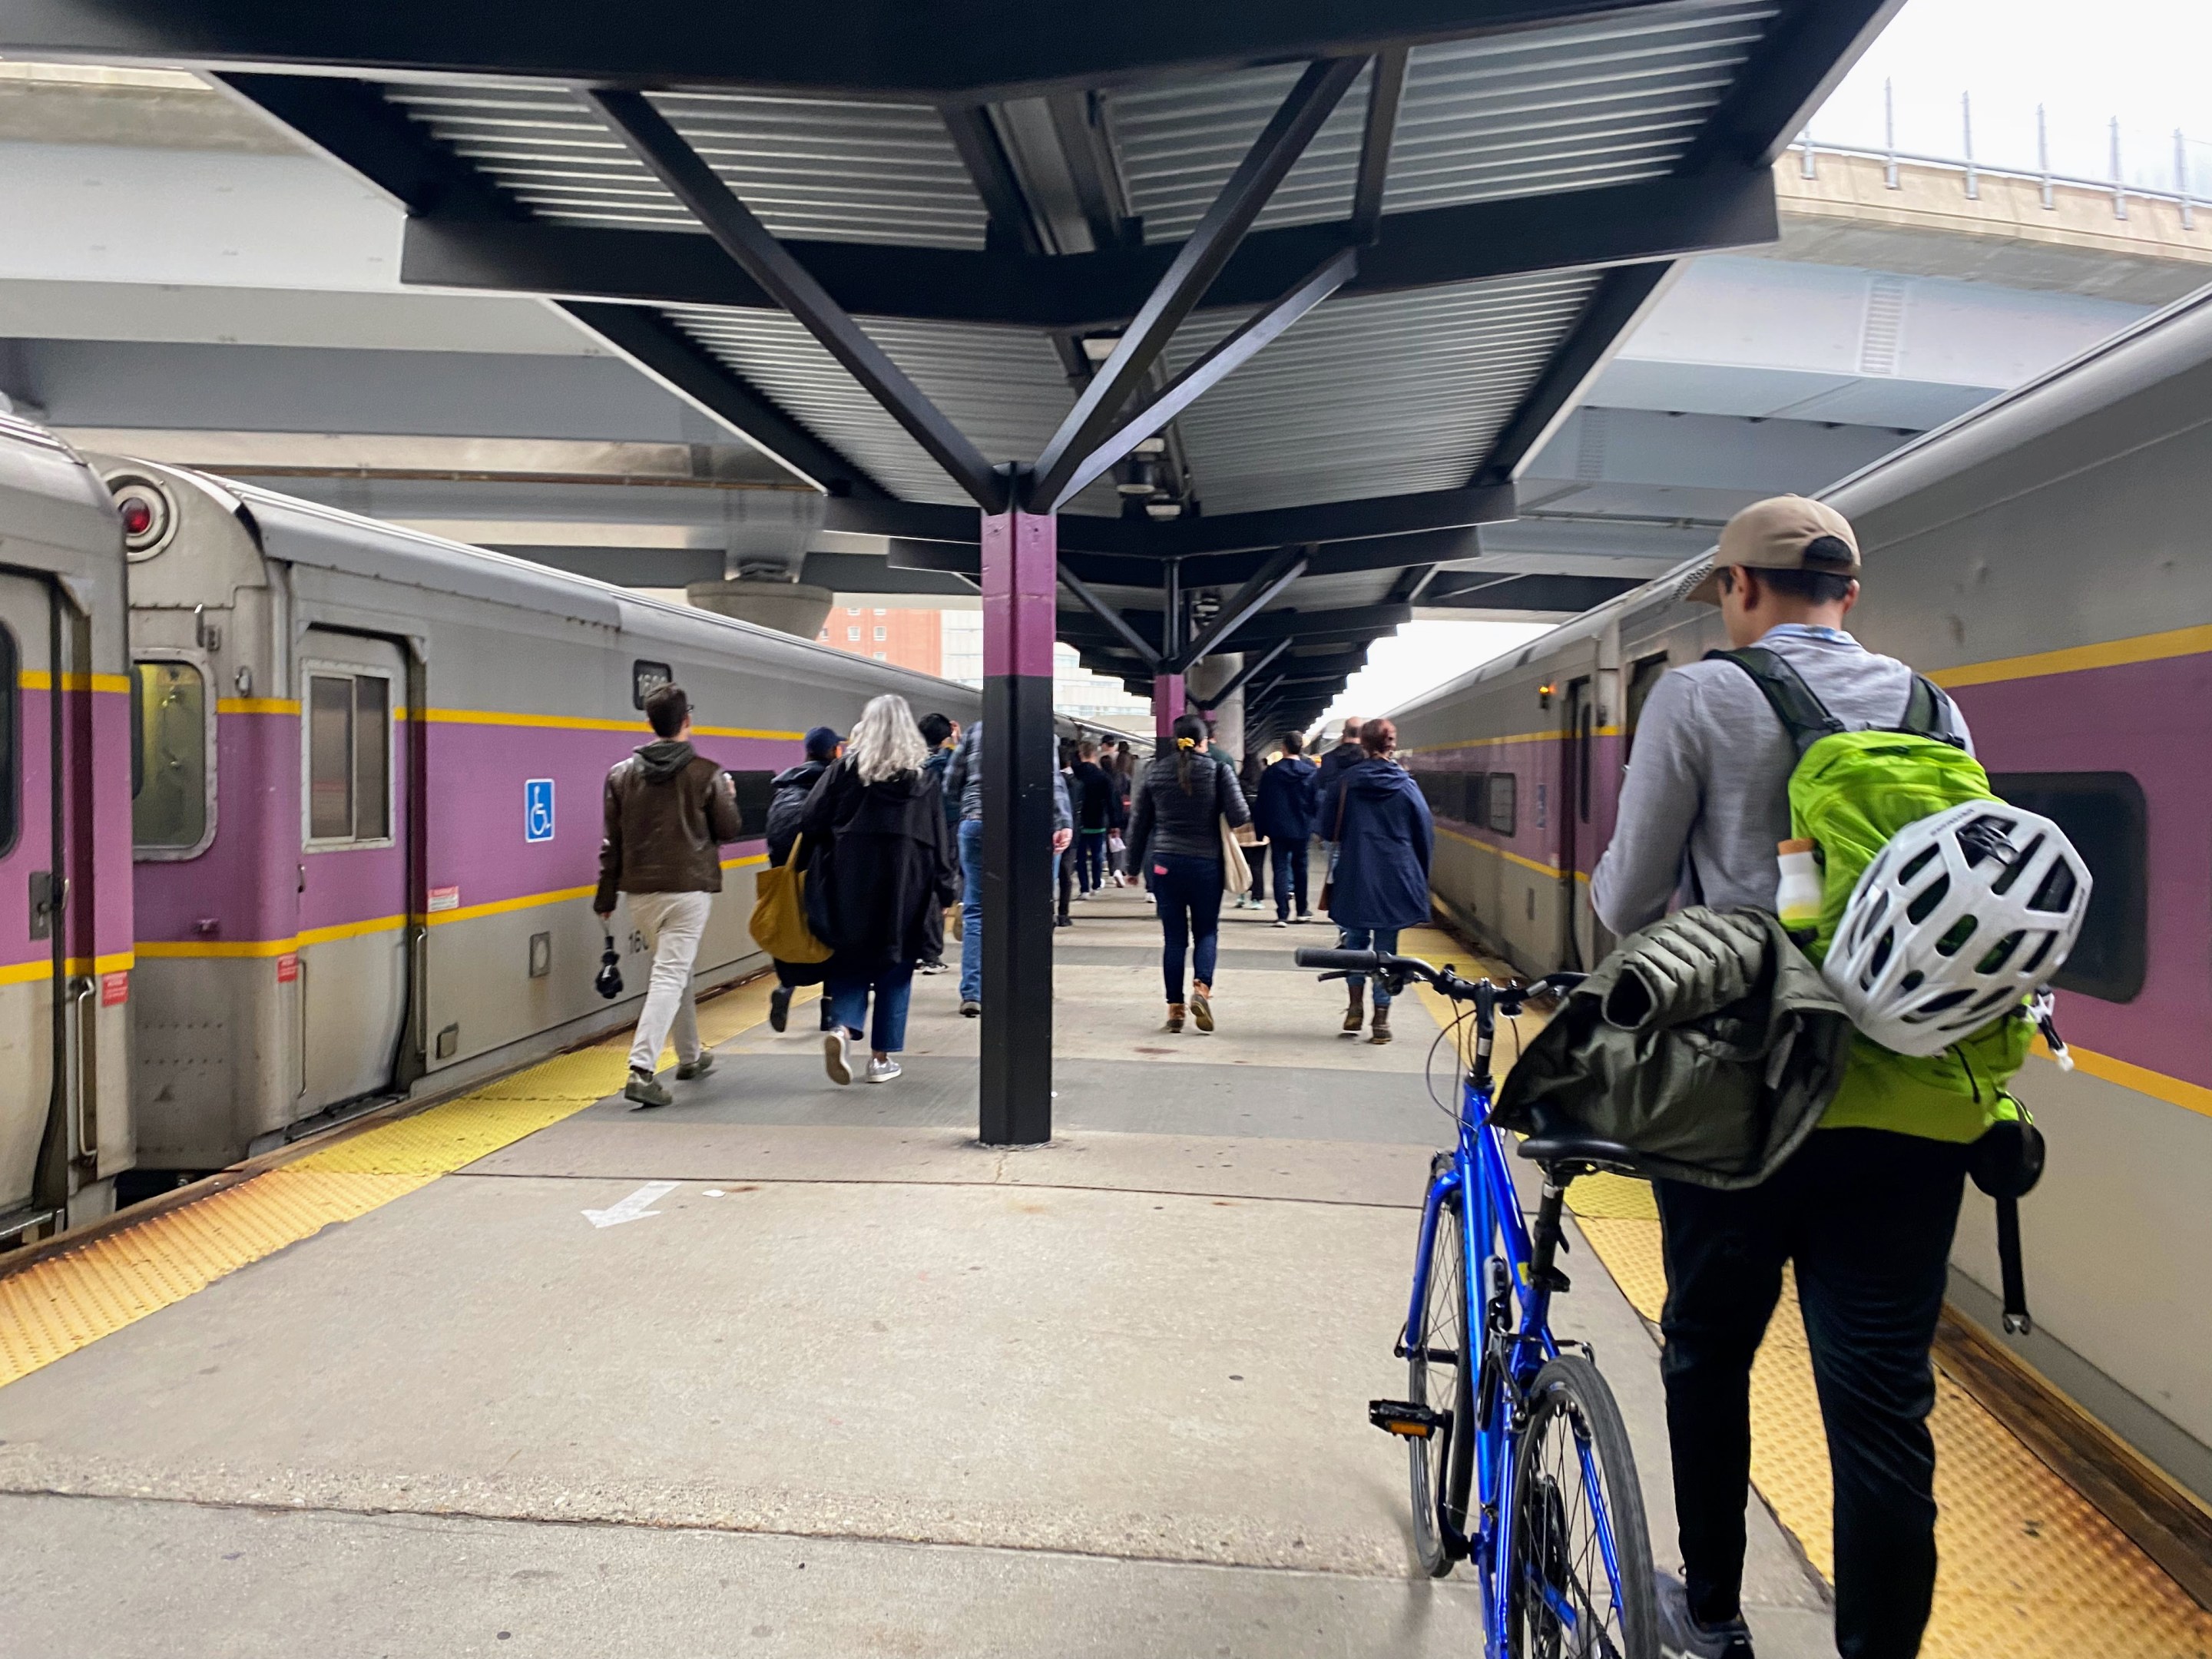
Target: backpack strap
{"x":1927,"y":714}
{"x":1804,"y":716}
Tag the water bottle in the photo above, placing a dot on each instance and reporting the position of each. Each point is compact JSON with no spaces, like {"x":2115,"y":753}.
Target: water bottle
{"x":1797,"y":897}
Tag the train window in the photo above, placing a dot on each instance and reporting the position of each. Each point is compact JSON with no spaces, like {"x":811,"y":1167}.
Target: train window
{"x":1475,"y":798}
{"x":2104,"y":816}
{"x":1503,"y":786}
{"x":349,"y":757}
{"x":646,"y":678}
{"x":753,"y":790}
{"x":1641,"y":678}
{"x":169,"y":784}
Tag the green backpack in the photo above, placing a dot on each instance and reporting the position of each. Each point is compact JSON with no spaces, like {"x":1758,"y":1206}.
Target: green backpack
{"x":1850,"y":791}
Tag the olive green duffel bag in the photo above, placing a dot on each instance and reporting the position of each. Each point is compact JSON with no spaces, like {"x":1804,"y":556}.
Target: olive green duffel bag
{"x":1707,"y":1042}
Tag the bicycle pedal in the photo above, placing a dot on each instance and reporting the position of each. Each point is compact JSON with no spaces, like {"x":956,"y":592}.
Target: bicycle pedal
{"x":1405,"y":1418}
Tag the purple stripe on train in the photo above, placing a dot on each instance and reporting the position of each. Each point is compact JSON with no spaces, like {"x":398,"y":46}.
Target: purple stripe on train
{"x":97,"y":821}
{"x":254,"y":883}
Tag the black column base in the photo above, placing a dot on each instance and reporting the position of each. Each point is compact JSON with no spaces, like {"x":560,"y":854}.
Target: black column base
{"x":1019,"y":757}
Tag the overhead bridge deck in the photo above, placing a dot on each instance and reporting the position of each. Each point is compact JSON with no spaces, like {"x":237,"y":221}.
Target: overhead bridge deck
{"x":786,"y":1369}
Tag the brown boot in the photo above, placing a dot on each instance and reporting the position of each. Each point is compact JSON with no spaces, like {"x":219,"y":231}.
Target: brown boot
{"x":1174,"y":1017}
{"x":1201,"y":1010}
{"x":1355,"y":1012}
{"x":1378,"y":1030}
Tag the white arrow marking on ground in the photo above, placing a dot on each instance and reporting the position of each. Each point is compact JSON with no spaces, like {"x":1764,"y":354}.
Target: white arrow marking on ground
{"x":635,"y":1207}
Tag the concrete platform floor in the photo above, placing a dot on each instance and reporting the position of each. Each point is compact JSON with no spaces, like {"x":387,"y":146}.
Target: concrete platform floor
{"x":849,"y":1384}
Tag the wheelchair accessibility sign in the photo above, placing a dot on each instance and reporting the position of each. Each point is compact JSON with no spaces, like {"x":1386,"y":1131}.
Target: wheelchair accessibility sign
{"x":537,"y":810}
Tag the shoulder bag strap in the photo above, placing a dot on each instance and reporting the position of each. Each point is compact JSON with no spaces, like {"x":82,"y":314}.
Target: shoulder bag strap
{"x":1802,"y":715}
{"x":1927,"y":713}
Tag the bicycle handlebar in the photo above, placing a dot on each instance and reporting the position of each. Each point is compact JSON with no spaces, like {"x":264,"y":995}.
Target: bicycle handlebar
{"x":1403,"y":969}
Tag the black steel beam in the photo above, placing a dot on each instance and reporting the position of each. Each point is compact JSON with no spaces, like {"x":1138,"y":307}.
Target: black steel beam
{"x":1789,"y":74}
{"x":1223,"y":358}
{"x":1236,"y":681}
{"x":665,"y":351}
{"x":351,"y":122}
{"x":1729,"y":206}
{"x":1190,"y":272}
{"x":1386,"y":87}
{"x":978,"y":48}
{"x":1353,"y":623}
{"x":1621,"y":295}
{"x":1113,"y":619}
{"x":1011,"y":226}
{"x":745,"y":240}
{"x":1091,"y":168}
{"x":1474,"y":590}
{"x":1263,"y":585}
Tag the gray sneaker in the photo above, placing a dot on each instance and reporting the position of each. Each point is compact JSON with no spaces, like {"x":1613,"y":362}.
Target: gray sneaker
{"x":883,"y":1071}
{"x":837,"y":1056}
{"x":644,"y":1091}
{"x":699,"y":1067}
{"x":1679,"y":1633}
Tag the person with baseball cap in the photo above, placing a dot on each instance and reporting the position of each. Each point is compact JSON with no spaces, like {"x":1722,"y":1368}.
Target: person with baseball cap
{"x":1865,"y":1215}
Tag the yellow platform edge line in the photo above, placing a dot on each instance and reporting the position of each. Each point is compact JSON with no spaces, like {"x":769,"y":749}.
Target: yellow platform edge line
{"x":63,"y":1302}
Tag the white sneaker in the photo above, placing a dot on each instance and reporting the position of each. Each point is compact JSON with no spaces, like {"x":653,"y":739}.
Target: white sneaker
{"x":837,"y":1056}
{"x":882,"y":1071}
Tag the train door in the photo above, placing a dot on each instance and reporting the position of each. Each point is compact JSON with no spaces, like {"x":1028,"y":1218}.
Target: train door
{"x":33,"y":966}
{"x":1577,"y":831}
{"x":351,"y":964}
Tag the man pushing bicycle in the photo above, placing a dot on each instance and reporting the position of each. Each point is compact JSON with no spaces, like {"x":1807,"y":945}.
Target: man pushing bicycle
{"x":1866,"y":1207}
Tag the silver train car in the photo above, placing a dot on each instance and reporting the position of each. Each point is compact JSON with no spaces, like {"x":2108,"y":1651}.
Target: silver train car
{"x":2047,"y":559}
{"x":65,"y":928}
{"x":368,"y":818}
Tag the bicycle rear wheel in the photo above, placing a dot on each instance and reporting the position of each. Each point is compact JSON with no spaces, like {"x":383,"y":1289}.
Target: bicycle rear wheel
{"x":1579,"y":1581}
{"x":1440,"y":1374}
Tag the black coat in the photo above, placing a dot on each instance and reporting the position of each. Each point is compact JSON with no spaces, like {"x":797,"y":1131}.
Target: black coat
{"x":1332,"y":767}
{"x":879,"y":874}
{"x":787,"y":801}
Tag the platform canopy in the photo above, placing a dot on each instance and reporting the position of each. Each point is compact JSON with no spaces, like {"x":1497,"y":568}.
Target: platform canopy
{"x":935,"y":255}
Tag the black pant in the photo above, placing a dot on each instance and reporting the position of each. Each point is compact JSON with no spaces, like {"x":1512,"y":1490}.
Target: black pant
{"x":1290,"y":861}
{"x":1867,"y":1217}
{"x":1187,"y":890}
{"x":1255,"y":860}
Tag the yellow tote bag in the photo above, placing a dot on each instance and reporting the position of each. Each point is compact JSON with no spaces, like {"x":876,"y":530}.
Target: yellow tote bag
{"x":779,"y":923}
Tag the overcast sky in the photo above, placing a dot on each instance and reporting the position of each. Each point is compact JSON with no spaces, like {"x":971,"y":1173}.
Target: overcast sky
{"x":2148,"y":62}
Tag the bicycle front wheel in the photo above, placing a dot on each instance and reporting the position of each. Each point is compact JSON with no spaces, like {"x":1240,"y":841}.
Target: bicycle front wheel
{"x":1579,"y":1581}
{"x":1439,"y":1374}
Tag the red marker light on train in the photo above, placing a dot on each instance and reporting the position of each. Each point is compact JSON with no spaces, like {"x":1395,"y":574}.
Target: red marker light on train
{"x":138,"y":515}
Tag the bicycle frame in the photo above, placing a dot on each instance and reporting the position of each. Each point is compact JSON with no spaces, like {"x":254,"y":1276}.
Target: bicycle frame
{"x":1508,"y":1354}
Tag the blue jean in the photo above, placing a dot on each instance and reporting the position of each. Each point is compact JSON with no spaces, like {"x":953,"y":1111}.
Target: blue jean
{"x":1289,"y":858}
{"x":1384,"y":939}
{"x":848,"y":1004}
{"x":1090,"y":859}
{"x":1187,"y":891}
{"x":971,"y":909}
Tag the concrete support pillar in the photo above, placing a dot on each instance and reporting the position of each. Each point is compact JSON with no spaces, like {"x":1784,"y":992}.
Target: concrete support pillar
{"x":1208,"y":676}
{"x":788,"y":607}
{"x":1021,"y":577}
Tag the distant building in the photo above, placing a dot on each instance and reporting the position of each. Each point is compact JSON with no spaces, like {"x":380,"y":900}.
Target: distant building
{"x":904,"y":638}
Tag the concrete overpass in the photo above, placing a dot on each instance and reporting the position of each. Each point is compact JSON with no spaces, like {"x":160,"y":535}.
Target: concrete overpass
{"x":195,"y":286}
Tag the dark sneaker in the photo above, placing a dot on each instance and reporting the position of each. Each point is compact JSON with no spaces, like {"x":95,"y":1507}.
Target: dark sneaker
{"x":970,"y":1008}
{"x":778,"y":1008}
{"x":1680,"y":1634}
{"x":644,"y":1091}
{"x":837,"y":1056}
{"x":698,"y":1067}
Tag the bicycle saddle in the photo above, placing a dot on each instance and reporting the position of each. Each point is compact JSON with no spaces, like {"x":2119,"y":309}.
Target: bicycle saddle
{"x":1568,"y":1145}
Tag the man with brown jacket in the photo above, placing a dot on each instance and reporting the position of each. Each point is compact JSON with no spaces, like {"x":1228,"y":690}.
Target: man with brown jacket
{"x":668,"y":810}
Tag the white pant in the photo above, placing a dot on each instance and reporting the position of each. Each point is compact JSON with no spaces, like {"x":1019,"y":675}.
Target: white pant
{"x":671,"y":924}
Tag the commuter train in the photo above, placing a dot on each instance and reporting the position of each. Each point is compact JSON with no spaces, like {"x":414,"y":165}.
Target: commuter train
{"x":2048,"y":559}
{"x":329,"y":810}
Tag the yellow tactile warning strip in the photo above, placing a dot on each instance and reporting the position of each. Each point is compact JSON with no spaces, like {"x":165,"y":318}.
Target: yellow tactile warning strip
{"x":61,"y":1304}
{"x":2028,"y":1567}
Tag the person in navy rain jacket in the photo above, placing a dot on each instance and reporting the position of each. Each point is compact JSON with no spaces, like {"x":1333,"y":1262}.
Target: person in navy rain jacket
{"x":1284,"y":817}
{"x":1382,"y":863}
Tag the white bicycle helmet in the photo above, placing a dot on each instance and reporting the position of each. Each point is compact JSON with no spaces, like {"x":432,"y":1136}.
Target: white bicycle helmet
{"x":1960,"y":916}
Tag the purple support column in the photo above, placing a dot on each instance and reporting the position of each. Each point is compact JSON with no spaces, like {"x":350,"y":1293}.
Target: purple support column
{"x":1021,"y":579}
{"x":1167,"y":704}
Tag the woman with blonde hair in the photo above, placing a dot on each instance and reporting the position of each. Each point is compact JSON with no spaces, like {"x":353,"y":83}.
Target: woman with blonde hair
{"x":879,"y":876}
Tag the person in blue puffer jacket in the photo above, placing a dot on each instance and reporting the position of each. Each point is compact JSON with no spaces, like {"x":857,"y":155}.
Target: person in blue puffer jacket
{"x":1382,"y":863}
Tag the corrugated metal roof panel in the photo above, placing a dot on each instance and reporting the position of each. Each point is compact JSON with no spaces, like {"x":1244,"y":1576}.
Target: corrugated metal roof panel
{"x":811,"y":169}
{"x":1001,"y":386}
{"x":1603,"y":102}
{"x":1375,"y":394}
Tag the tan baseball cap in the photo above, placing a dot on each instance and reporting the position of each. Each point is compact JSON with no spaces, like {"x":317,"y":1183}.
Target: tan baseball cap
{"x":1773,"y":535}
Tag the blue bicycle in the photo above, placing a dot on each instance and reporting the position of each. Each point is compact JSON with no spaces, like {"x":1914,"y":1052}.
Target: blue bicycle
{"x":1519,"y":1460}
